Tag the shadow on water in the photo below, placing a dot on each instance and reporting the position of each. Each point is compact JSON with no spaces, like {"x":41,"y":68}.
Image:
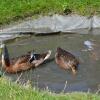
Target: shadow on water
{"x":49,"y":75}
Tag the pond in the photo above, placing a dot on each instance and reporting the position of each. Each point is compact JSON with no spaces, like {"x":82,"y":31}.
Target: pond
{"x":50,"y":75}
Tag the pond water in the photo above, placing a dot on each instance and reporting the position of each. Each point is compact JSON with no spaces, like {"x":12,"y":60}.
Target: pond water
{"x":50,"y":75}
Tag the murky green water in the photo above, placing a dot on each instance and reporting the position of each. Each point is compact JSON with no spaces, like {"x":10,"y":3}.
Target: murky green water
{"x":49,"y":74}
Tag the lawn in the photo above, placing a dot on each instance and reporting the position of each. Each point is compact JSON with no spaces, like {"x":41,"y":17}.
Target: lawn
{"x":12,"y":10}
{"x":14,"y":91}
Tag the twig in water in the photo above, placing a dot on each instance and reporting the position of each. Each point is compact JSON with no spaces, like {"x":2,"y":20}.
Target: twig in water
{"x":98,"y":91}
{"x":18,"y":78}
{"x":64,"y":87}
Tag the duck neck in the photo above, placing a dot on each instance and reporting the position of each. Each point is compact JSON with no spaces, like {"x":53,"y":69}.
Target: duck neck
{"x":5,"y":57}
{"x":33,"y":57}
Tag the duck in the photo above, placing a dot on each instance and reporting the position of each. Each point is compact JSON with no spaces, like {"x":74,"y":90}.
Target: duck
{"x":22,"y":63}
{"x":66,"y":60}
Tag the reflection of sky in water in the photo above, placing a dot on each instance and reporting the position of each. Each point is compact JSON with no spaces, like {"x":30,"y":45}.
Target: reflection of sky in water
{"x":5,"y":36}
{"x":89,"y":44}
{"x":50,"y":74}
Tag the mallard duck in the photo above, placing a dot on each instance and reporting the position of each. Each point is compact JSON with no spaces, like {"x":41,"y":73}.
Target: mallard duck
{"x":66,"y":60}
{"x":25,"y":62}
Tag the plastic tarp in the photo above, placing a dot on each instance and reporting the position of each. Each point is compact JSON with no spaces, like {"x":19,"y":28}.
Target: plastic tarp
{"x":55,"y":23}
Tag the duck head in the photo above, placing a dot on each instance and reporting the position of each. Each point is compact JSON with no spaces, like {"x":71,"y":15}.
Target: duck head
{"x":32,"y":57}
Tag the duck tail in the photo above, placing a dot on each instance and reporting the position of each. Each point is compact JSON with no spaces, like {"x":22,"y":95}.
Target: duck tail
{"x":5,"y":56}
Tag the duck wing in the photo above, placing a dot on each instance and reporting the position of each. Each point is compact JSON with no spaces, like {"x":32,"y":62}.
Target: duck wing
{"x":22,"y":59}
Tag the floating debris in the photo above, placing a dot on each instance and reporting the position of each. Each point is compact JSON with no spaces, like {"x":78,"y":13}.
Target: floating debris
{"x":89,"y":45}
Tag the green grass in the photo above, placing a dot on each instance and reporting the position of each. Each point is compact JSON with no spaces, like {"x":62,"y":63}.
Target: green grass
{"x":12,"y":10}
{"x":13,"y":91}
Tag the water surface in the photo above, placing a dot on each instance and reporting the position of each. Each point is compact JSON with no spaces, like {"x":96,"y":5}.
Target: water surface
{"x":50,"y":75}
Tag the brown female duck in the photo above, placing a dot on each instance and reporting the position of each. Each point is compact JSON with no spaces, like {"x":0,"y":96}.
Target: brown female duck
{"x":66,"y":60}
{"x":25,"y":62}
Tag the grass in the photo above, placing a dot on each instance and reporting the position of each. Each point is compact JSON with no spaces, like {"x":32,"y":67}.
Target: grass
{"x":12,"y":10}
{"x":13,"y":91}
